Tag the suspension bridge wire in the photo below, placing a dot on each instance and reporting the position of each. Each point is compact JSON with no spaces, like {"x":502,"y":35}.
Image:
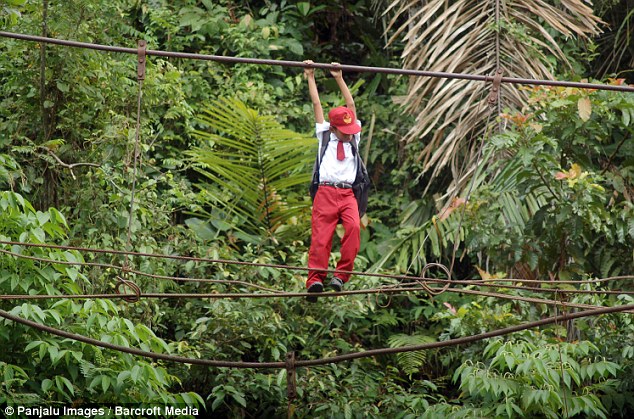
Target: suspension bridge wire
{"x":400,"y":289}
{"x":278,"y":266}
{"x":190,"y":258}
{"x":324,"y":66}
{"x":227,"y":296}
{"x":390,"y":290}
{"x":137,"y":141}
{"x":126,"y":269}
{"x":319,"y":361}
{"x":394,"y":291}
{"x":406,"y":287}
{"x":386,"y":289}
{"x":286,"y":63}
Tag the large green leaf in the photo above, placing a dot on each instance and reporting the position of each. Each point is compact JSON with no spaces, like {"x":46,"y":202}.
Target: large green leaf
{"x":257,"y":170}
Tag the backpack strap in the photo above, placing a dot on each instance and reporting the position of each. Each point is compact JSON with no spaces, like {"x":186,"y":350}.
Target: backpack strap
{"x":325,"y":139}
{"x":314,"y":184}
{"x":355,"y":152}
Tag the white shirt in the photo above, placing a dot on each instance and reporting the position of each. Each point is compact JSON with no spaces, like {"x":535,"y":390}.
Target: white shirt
{"x":331,"y":169}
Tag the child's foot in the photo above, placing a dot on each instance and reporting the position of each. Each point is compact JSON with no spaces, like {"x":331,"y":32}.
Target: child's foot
{"x":336,"y":284}
{"x":315,"y":287}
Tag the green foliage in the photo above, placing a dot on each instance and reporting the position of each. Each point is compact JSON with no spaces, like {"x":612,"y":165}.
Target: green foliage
{"x":563,"y":190}
{"x":532,"y":378}
{"x":422,"y":235}
{"x":10,"y":12}
{"x":255,"y":166}
{"x":40,"y":368}
{"x":410,"y":362}
{"x":86,"y":113}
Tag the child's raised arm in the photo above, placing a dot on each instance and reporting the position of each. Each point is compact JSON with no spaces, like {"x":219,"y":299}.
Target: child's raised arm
{"x":309,"y":73}
{"x":347,"y":96}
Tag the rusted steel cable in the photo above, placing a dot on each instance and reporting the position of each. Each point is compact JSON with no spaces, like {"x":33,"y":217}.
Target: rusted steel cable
{"x":296,"y":268}
{"x":208,"y":260}
{"x":467,"y":339}
{"x":286,"y":63}
{"x":524,"y":299}
{"x":402,"y":277}
{"x":237,"y":296}
{"x":388,"y":289}
{"x":123,"y":281}
{"x":126,"y":283}
{"x":320,"y":361}
{"x":139,"y":273}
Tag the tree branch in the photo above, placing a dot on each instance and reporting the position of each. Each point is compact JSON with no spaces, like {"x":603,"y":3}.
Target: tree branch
{"x":609,"y":163}
{"x":71,"y":165}
{"x":545,"y":183}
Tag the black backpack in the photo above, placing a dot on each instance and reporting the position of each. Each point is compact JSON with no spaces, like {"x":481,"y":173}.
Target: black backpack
{"x":362,"y":183}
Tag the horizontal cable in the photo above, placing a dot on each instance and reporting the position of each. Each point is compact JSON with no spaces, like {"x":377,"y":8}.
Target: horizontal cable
{"x":135,"y":272}
{"x":468,"y":339}
{"x":213,"y":261}
{"x":236,"y":296}
{"x":388,"y":290}
{"x":412,"y":281}
{"x":285,"y":63}
{"x":320,"y":361}
{"x":298,"y":268}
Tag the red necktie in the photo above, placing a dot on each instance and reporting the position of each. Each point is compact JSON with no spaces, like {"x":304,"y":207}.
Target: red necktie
{"x":340,"y":153}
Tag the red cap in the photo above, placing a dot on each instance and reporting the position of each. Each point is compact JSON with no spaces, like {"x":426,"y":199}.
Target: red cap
{"x":344,"y":120}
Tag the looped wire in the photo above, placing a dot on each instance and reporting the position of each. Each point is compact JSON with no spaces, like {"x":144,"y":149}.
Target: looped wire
{"x":376,"y":299}
{"x":130,"y":285}
{"x":430,"y":290}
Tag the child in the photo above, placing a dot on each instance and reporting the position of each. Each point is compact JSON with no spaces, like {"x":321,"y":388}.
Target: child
{"x":334,"y":201}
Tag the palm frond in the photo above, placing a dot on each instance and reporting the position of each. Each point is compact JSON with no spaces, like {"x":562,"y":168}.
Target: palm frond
{"x":460,"y":36}
{"x":407,"y":251}
{"x":420,"y":236}
{"x":253,"y":166}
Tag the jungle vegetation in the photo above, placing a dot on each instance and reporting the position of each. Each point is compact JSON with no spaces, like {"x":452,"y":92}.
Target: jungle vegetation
{"x":539,"y":186}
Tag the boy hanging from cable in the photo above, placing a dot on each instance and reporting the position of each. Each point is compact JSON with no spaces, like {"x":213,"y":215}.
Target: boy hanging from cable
{"x":334,"y":200}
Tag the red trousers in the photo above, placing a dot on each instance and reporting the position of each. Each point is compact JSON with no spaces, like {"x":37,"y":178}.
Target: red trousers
{"x":331,"y":205}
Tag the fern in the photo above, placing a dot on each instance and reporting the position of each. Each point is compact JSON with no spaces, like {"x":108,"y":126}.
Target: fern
{"x":88,"y":369}
{"x":410,"y":362}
